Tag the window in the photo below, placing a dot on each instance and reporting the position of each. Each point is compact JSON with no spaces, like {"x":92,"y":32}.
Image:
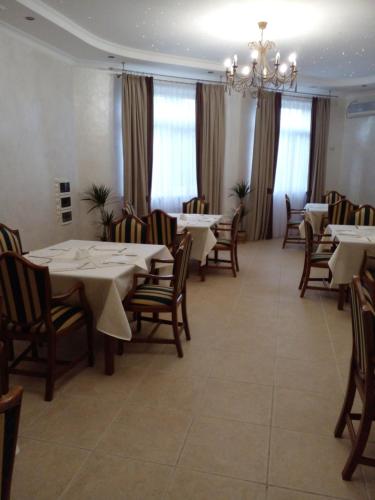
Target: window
{"x":292,"y":160}
{"x":174,"y":177}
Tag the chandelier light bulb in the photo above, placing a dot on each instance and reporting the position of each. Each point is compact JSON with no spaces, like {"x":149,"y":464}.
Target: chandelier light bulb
{"x":235,"y":59}
{"x":283,"y":68}
{"x":227,"y":63}
{"x":293,"y":58}
{"x":277,"y":58}
{"x":254,"y":55}
{"x":245,"y":70}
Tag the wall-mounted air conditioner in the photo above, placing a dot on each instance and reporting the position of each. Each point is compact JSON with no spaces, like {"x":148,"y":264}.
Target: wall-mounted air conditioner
{"x":365,"y":106}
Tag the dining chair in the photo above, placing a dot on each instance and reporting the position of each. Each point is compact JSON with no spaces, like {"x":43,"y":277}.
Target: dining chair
{"x":29,"y":313}
{"x":10,"y":407}
{"x":162,"y":228}
{"x":332,"y":197}
{"x":196,"y":206}
{"x":228,"y":244}
{"x":314,"y":260}
{"x":151,"y":297}
{"x":292,"y":224}
{"x":363,"y":216}
{"x":129,"y":229}
{"x":341,"y":212}
{"x":361,"y":379}
{"x":10,"y":240}
{"x":128,"y":209}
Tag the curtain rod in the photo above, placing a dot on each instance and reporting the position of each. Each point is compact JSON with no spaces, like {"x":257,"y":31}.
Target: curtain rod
{"x":164,"y":78}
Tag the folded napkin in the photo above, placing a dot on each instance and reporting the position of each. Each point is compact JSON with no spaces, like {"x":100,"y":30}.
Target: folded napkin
{"x":109,"y":248}
{"x":126,"y":259}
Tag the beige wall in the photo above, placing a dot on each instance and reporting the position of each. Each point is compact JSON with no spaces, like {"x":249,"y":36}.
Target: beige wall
{"x":351,"y":164}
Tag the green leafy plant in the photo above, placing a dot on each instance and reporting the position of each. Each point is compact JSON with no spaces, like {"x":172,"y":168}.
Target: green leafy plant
{"x":99,"y":196}
{"x":240,"y":190}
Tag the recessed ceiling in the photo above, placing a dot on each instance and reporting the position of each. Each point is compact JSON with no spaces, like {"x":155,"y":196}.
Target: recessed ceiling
{"x":334,"y":39}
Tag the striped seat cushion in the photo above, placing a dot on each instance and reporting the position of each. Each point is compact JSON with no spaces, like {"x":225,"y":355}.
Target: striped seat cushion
{"x":152,"y":295}
{"x":224,"y":241}
{"x":9,"y":241}
{"x":316,"y":257}
{"x":63,"y":316}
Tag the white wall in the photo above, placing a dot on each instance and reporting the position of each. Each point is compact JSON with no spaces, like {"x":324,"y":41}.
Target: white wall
{"x":351,"y":164}
{"x":57,"y":120}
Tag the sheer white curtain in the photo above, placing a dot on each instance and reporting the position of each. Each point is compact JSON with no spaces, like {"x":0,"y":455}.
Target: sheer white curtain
{"x":174,"y":176}
{"x":292,"y":160}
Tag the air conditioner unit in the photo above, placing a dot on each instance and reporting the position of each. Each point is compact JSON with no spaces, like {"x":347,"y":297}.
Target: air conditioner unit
{"x":365,"y":106}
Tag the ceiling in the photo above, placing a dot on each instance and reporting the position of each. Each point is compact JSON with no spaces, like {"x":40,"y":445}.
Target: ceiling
{"x":334,"y":39}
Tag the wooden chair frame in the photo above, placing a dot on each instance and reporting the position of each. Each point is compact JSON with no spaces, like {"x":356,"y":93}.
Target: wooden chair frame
{"x":128,"y":209}
{"x":54,"y":368}
{"x":196,"y":198}
{"x":292,"y":225}
{"x":310,"y":264}
{"x":361,"y":379}
{"x":360,"y":209}
{"x":16,"y":234}
{"x":179,"y":298}
{"x":335,"y":193}
{"x":112,"y":229}
{"x":217,"y":263}
{"x":10,"y":407}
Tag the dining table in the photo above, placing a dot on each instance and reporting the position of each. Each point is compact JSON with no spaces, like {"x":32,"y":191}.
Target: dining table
{"x":314,"y":213}
{"x":201,"y":228}
{"x":106,"y":269}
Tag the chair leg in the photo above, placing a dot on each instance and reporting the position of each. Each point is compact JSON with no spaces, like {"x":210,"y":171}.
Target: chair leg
{"x":175,"y":334}
{"x":236,"y":256}
{"x":51,"y":367}
{"x":285,"y":237}
{"x":306,"y":280}
{"x":202,"y":272}
{"x":34,"y":350}
{"x":360,"y":442}
{"x":139,"y":322}
{"x":185,"y":318}
{"x":120,"y":347}
{"x":341,"y":299}
{"x":232,"y":258}
{"x":303,"y":275}
{"x":90,"y":343}
{"x":347,"y":405}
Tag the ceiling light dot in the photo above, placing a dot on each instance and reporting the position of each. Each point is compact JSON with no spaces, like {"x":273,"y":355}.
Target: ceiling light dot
{"x":111,"y":57}
{"x":30,"y":18}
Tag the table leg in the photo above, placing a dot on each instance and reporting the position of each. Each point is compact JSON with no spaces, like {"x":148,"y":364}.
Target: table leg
{"x":342,"y":291}
{"x":109,"y":355}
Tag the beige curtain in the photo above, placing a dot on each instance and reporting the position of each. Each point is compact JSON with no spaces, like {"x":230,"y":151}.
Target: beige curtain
{"x":210,"y":138}
{"x":266,"y":141}
{"x":137,"y":128}
{"x":318,"y":148}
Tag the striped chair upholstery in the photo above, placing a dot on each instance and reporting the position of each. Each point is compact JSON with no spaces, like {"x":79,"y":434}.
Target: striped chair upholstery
{"x":10,"y":240}
{"x":340,"y":212}
{"x":129,"y":229}
{"x":162,"y":228}
{"x":361,"y":379}
{"x":363,"y":216}
{"x":332,"y":197}
{"x":128,"y":209}
{"x":31,"y":314}
{"x":156,"y":298}
{"x":195,"y":206}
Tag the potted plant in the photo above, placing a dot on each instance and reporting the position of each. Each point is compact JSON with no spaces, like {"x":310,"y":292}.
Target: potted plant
{"x":241,"y":190}
{"x":99,"y":196}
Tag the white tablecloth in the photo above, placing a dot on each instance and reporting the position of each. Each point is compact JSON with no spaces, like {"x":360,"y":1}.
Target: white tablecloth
{"x":200,"y":228}
{"x":106,"y":269}
{"x":347,"y":258}
{"x":314,"y":213}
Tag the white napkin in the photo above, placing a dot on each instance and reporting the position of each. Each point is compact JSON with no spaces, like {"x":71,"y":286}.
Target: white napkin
{"x":126,"y":259}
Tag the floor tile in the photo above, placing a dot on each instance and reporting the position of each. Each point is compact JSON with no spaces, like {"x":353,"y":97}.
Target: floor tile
{"x":285,"y":494}
{"x":227,"y":447}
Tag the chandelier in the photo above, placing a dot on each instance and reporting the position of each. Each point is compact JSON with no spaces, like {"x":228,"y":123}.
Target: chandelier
{"x":263,"y":73}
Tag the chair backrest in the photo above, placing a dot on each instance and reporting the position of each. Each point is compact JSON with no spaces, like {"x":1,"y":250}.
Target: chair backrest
{"x":236,"y":223}
{"x":24,"y":289}
{"x":128,"y":209}
{"x":332,"y":197}
{"x":309,"y":238}
{"x":341,"y":211}
{"x":363,"y":330}
{"x":363,"y":216}
{"x":162,"y":228}
{"x":10,"y":240}
{"x":129,"y":229}
{"x":181,"y":263}
{"x":195,"y":206}
{"x":367,"y":273}
{"x":288,"y":207}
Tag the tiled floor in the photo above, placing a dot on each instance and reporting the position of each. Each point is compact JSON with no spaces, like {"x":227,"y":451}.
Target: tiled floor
{"x":247,"y":414}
